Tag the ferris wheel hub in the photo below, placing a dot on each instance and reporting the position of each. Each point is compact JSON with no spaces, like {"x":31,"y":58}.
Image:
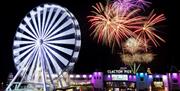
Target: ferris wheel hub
{"x":39,"y":42}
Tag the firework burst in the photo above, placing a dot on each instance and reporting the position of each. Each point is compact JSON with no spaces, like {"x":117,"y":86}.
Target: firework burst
{"x":148,"y":31}
{"x":147,"y":57}
{"x":133,"y":54}
{"x":104,"y":22}
{"x":128,"y":5}
{"x":127,"y":59}
{"x":141,"y":3}
{"x":110,"y":26}
{"x":133,"y":45}
{"x":137,"y":58}
{"x":123,"y":5}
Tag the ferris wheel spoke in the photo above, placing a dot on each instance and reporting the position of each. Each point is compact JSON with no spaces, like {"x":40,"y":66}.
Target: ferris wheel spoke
{"x":21,"y":64}
{"x":41,"y":66}
{"x":63,"y":16}
{"x":53,"y":20}
{"x":24,"y":71}
{"x":65,"y":33}
{"x":47,"y":61}
{"x":21,"y":35}
{"x":53,"y":61}
{"x":33,"y":13}
{"x":25,"y":59}
{"x":23,"y":27}
{"x":17,"y":50}
{"x":37,"y":71}
{"x":60,"y":58}
{"x":43,"y":21}
{"x":32,"y":69}
{"x":48,"y":18}
{"x":62,"y":49}
{"x":27,"y":20}
{"x":67,"y":23}
{"x":50,"y":68}
{"x":17,"y":59}
{"x":18,"y":42}
{"x":63,"y":41}
{"x":39,"y":9}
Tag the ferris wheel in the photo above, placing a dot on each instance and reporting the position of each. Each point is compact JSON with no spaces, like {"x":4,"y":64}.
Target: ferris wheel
{"x":47,"y":43}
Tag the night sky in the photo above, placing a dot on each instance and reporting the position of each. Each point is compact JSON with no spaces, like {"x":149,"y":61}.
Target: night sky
{"x":93,"y":56}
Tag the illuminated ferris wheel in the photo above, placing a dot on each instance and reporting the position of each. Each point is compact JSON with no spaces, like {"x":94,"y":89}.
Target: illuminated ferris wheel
{"x":47,"y":43}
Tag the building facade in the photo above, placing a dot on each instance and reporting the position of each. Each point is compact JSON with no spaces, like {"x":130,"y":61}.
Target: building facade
{"x":124,"y":80}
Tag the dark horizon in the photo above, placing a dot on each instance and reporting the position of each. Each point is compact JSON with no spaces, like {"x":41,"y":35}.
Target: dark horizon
{"x":93,"y":56}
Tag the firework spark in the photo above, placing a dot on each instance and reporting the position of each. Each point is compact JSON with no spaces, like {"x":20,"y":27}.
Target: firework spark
{"x":111,"y":27}
{"x":148,"y":31}
{"x":132,"y":58}
{"x":147,"y":57}
{"x":128,"y":5}
{"x":141,"y":3}
{"x":137,"y":58}
{"x":133,"y":45}
{"x":123,"y":5}
{"x":127,"y":59}
{"x":104,"y":22}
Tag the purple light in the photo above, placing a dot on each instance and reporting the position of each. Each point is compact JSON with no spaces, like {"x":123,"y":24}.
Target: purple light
{"x":174,"y":75}
{"x":142,"y":3}
{"x":164,"y":77}
{"x":157,"y":76}
{"x":99,"y":73}
{"x":123,"y":5}
{"x":109,"y":76}
{"x":130,"y":76}
{"x":90,"y":76}
{"x":134,"y":77}
{"x":95,"y":73}
{"x":93,"y":81}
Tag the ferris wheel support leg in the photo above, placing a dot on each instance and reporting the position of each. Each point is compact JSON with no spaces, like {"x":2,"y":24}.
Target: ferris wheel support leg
{"x":10,"y":84}
{"x":50,"y":76}
{"x":17,"y":74}
{"x":23,"y":77}
{"x":43,"y":75}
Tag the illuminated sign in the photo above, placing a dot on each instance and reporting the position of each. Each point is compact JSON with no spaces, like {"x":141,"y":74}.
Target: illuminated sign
{"x":123,"y":70}
{"x":119,"y":71}
{"x":121,"y":77}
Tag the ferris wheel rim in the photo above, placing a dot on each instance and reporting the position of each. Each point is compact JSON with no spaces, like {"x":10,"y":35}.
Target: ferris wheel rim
{"x":77,"y":33}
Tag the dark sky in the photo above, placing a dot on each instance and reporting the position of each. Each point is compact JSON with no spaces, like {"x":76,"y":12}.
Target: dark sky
{"x":92,"y":56}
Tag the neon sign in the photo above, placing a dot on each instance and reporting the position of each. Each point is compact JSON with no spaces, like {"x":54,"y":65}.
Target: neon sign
{"x":119,"y":71}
